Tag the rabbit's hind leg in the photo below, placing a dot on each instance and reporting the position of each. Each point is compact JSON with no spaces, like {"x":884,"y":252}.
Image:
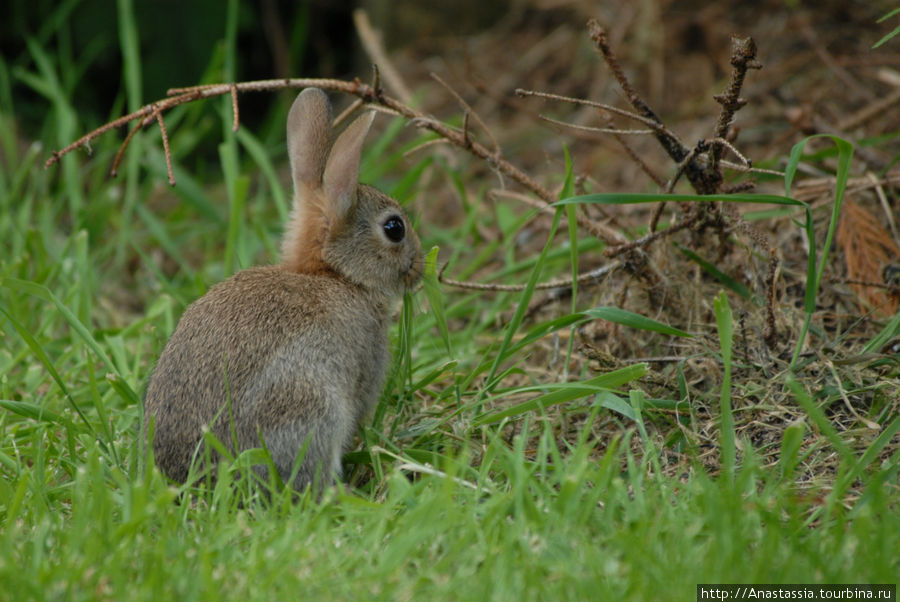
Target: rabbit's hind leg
{"x":311,"y":446}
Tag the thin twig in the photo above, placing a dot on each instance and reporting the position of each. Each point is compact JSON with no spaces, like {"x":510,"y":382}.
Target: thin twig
{"x":648,"y":238}
{"x":354,"y":106}
{"x":882,"y":200}
{"x":829,"y":61}
{"x":469,"y":110}
{"x":670,"y":143}
{"x":114,"y":170}
{"x":465,"y":130}
{"x":234,"y":111}
{"x":656,"y":126}
{"x":868,"y":112}
{"x":748,"y":169}
{"x":371,"y":41}
{"x":588,"y":128}
{"x":116,"y":123}
{"x":657,"y":213}
{"x":891,"y":288}
{"x":426,"y":144}
{"x":511,"y":288}
{"x":166,"y":152}
{"x":746,"y":186}
{"x":682,"y":165}
{"x":743,"y":57}
{"x":635,"y":157}
{"x":744,"y":160}
{"x":601,"y":231}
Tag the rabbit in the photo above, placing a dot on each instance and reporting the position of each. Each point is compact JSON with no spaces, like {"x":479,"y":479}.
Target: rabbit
{"x":293,"y":356}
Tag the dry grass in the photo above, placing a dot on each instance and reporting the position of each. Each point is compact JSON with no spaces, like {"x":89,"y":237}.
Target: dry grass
{"x":806,"y":57}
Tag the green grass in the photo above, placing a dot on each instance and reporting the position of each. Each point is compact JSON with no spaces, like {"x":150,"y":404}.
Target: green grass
{"x":488,"y":471}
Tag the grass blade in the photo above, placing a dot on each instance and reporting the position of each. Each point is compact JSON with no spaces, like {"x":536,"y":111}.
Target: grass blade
{"x":887,"y":333}
{"x":571,"y":217}
{"x":818,"y":418}
{"x":33,"y":411}
{"x":42,"y":292}
{"x":790,"y":448}
{"x":725,"y":325}
{"x":814,"y":273}
{"x":432,"y":289}
{"x":521,"y":308}
{"x":54,"y":374}
{"x":718,"y":274}
{"x":633,"y":320}
{"x":567,"y":392}
{"x":261,"y":157}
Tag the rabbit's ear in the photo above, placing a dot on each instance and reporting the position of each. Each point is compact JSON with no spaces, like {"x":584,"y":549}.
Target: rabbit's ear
{"x":342,"y":168}
{"x":309,"y":138}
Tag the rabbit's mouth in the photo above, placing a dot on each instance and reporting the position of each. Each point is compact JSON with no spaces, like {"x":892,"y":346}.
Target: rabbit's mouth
{"x":414,"y":272}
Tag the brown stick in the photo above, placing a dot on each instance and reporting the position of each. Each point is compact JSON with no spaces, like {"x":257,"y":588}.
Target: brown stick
{"x":743,"y":57}
{"x":560,"y":283}
{"x":166,"y":152}
{"x":234,"y":110}
{"x":647,"y":239}
{"x":369,"y":94}
{"x":672,"y":145}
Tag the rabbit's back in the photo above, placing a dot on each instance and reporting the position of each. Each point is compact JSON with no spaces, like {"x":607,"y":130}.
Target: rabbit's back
{"x":298,"y":356}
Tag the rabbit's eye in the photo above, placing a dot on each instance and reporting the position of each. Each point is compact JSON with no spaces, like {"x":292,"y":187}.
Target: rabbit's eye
{"x":394,"y":228}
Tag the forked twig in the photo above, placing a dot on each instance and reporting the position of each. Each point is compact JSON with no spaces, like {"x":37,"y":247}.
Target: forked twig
{"x":596,"y":130}
{"x":114,"y":170}
{"x":701,"y":165}
{"x":656,"y":126}
{"x":670,"y":143}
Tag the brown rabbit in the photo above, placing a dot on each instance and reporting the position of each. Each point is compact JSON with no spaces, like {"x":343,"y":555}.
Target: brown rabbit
{"x":293,"y":355}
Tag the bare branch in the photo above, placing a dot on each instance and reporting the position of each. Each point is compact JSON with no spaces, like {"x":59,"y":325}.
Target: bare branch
{"x":366,"y":94}
{"x":346,"y":113}
{"x":743,"y":57}
{"x":657,"y":213}
{"x":682,"y":165}
{"x":672,"y":145}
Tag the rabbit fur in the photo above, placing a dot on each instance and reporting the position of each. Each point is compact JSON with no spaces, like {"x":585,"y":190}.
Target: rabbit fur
{"x":293,"y":355}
